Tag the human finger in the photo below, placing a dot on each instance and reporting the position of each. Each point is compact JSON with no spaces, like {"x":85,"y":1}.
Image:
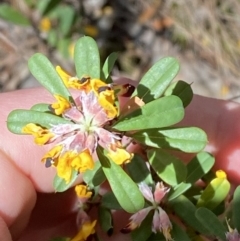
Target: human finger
{"x":220,"y":120}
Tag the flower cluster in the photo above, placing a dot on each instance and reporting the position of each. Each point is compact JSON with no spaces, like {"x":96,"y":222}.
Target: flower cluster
{"x":89,"y":115}
{"x":161,"y":221}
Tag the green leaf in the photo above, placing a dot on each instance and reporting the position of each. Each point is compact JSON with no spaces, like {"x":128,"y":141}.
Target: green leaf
{"x":156,"y":80}
{"x":178,"y":234}
{"x":187,"y":139}
{"x":168,"y":167}
{"x":105,"y":220}
{"x":143,"y":232}
{"x":51,"y":4}
{"x":236,"y":208}
{"x":109,"y":201}
{"x":86,"y":57}
{"x":181,"y":89}
{"x":17,"y":119}
{"x":60,"y":184}
{"x":42,"y":69}
{"x":108,"y":65}
{"x":215,"y":192}
{"x":199,"y":166}
{"x":12,"y":15}
{"x":159,"y":113}
{"x":178,"y":190}
{"x":185,"y":209}
{"x":211,"y":222}
{"x":41,"y":107}
{"x":94,"y":177}
{"x":67,"y":17}
{"x":123,"y":187}
{"x":139,"y":171}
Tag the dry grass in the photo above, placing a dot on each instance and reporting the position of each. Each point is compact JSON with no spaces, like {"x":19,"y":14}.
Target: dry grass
{"x":211,"y":28}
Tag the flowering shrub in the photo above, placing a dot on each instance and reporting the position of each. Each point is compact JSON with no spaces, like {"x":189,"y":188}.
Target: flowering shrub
{"x":89,"y":133}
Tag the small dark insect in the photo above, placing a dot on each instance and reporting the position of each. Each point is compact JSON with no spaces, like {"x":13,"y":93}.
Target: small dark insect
{"x":49,"y":162}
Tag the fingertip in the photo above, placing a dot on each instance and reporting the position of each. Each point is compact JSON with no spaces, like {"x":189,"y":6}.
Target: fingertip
{"x":17,"y":196}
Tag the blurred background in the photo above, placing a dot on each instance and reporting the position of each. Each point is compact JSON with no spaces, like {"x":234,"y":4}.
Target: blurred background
{"x":204,"y":35}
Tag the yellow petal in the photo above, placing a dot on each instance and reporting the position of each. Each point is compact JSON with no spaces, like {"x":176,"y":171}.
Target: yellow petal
{"x":82,"y":191}
{"x":108,"y":105}
{"x":106,"y":97}
{"x":83,"y":161}
{"x":52,"y":155}
{"x":120,"y":156}
{"x":45,"y":24}
{"x":74,"y":82}
{"x":63,"y":74}
{"x":221,"y":174}
{"x":87,"y":229}
{"x":64,"y":168}
{"x":61,"y":105}
{"x":42,"y":135}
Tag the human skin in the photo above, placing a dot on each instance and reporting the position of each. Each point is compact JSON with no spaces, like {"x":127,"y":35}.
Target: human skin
{"x":26,"y":191}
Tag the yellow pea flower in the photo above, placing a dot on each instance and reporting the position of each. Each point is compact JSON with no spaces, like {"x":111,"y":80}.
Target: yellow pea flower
{"x":120,"y":156}
{"x":83,"y":161}
{"x":61,"y":105}
{"x":50,"y":157}
{"x":86,"y":230}
{"x":82,"y":191}
{"x":74,"y":82}
{"x":42,"y":135}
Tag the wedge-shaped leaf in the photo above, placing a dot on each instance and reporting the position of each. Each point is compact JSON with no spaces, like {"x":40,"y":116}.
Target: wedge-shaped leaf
{"x":109,"y":201}
{"x":108,"y":65}
{"x":159,"y":113}
{"x":215,"y":192}
{"x":42,"y":69}
{"x":156,"y":80}
{"x":210,"y":221}
{"x":178,"y":190}
{"x":60,"y":184}
{"x":139,"y":171}
{"x":94,"y":177}
{"x":40,"y":107}
{"x":181,"y":89}
{"x":168,"y":167}
{"x":187,"y":139}
{"x":123,"y":187}
{"x":143,"y":232}
{"x":199,"y":166}
{"x":178,"y":234}
{"x":17,"y":119}
{"x":10,"y":14}
{"x":105,"y":220}
{"x":185,"y":209}
{"x":86,"y":56}
{"x":236,"y":209}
